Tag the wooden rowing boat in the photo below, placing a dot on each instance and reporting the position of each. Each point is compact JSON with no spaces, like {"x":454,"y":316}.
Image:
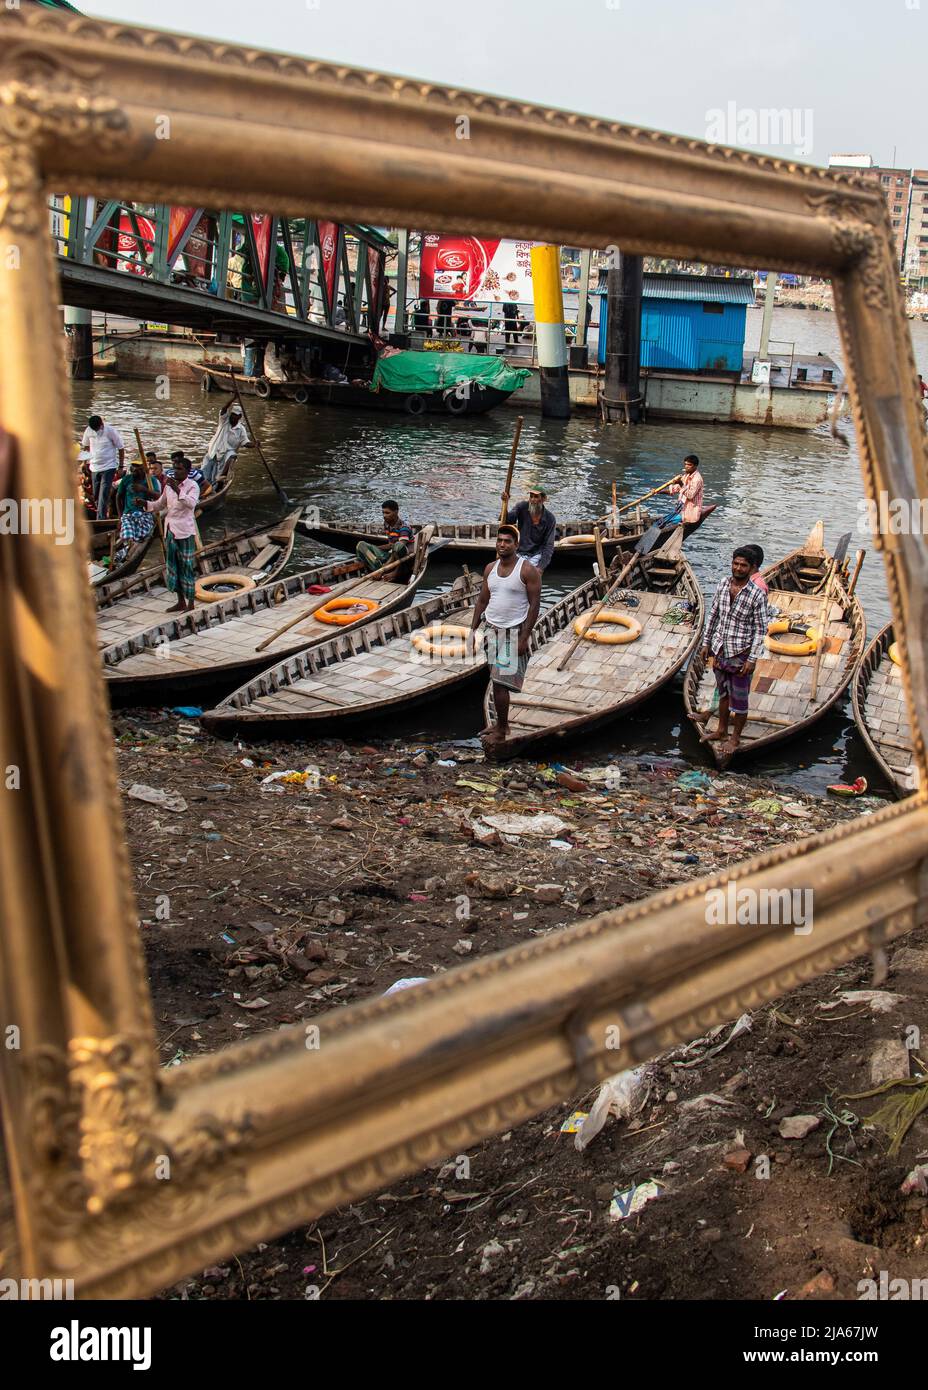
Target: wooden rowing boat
{"x":104,"y":574}
{"x":220,"y":379}
{"x":600,"y":683}
{"x":364,"y":674}
{"x":781,"y":703}
{"x":127,"y":606}
{"x":101,"y":531}
{"x":218,"y":643}
{"x":476,"y":541}
{"x":882,"y":714}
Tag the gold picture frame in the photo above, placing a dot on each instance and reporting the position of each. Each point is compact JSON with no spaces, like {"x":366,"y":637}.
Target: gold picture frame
{"x":271,"y":1133}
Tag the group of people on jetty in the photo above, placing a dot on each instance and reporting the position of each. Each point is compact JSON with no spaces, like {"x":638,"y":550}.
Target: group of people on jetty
{"x":509,"y":602}
{"x":138,"y":492}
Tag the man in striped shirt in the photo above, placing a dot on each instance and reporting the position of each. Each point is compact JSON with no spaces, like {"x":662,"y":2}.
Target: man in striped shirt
{"x":733,"y":643}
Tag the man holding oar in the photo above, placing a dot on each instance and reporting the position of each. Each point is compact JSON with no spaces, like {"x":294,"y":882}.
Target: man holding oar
{"x":511,"y":598}
{"x":536,"y":527}
{"x":688,"y":487}
{"x":733,"y":644}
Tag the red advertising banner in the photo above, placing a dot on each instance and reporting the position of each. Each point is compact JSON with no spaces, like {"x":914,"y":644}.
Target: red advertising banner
{"x":328,"y":246}
{"x":261,"y":225}
{"x":139,"y":248}
{"x":179,"y":221}
{"x":468,"y":267}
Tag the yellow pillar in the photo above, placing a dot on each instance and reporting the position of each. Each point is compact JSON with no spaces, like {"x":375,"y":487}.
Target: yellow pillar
{"x":549,"y":332}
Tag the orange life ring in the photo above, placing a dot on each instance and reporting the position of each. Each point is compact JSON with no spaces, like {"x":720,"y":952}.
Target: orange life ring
{"x":329,"y":612}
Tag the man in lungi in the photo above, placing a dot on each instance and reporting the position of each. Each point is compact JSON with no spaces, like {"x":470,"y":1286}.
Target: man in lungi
{"x":511,"y":598}
{"x":400,"y":537}
{"x":733,"y":644}
{"x":179,"y":500}
{"x":132,"y":493}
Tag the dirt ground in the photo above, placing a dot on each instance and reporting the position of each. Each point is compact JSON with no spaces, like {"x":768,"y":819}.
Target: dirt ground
{"x":264,"y":903}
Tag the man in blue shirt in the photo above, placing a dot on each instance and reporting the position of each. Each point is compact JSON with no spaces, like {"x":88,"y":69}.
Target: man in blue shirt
{"x":536,"y":527}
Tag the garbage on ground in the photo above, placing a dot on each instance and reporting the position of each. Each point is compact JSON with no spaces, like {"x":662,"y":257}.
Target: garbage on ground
{"x":916,"y":1182}
{"x":743,"y":1025}
{"x":188,"y":711}
{"x":573,"y":1122}
{"x":619,"y":1095}
{"x":633,"y":1200}
{"x":881,"y":1001}
{"x":406,"y":983}
{"x":169,"y":800}
{"x":540,"y":824}
{"x":855,"y":788}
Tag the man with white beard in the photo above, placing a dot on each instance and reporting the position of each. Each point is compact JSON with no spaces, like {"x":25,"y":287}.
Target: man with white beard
{"x":536,"y":527}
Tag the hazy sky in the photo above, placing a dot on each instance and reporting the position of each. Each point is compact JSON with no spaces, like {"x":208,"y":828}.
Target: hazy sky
{"x":850,"y":73}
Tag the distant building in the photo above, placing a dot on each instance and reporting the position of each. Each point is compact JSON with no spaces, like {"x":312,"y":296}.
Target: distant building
{"x":899,"y":187}
{"x":850,"y":161}
{"x":915,"y":263}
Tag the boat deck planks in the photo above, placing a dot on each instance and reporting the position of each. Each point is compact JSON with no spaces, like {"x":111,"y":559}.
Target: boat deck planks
{"x":883,"y":716}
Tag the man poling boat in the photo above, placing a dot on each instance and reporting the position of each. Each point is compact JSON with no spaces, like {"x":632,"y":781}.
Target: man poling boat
{"x":688,"y":488}
{"x":230,"y":436}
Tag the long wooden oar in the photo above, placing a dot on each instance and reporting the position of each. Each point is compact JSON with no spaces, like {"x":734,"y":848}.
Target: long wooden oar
{"x":255,"y":440}
{"x":836,"y":561}
{"x":512,"y":463}
{"x":646,"y":543}
{"x":638,"y":500}
{"x":158,"y":522}
{"x":861,"y":555}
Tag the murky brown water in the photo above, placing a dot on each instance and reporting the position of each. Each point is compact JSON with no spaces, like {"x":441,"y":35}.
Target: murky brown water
{"x":770,"y":486}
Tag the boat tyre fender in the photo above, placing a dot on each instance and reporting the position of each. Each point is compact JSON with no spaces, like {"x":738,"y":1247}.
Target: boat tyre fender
{"x":215,"y":586}
{"x":894,"y":656}
{"x":334,"y":611}
{"x":631,"y":628}
{"x":414,"y":404}
{"x":262,"y":388}
{"x":806,"y":648}
{"x":429,"y":641}
{"x":455,"y":404}
{"x":301,"y":395}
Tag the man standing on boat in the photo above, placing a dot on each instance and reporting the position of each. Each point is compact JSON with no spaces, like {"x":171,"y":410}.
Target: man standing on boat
{"x":231,"y":435}
{"x":179,"y":500}
{"x":511,"y":598}
{"x":399,"y":535}
{"x":536,"y":527}
{"x":107,"y":452}
{"x":689,"y":488}
{"x":733,"y":644}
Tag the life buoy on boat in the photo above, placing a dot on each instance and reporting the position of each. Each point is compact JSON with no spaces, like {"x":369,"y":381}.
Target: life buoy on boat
{"x":577,"y":540}
{"x":631,"y":627}
{"x":215,"y":586}
{"x":805,"y":648}
{"x":429,"y":642}
{"x":894,"y":656}
{"x":301,"y":395}
{"x":262,"y":387}
{"x":414,"y":404}
{"x":335,"y":610}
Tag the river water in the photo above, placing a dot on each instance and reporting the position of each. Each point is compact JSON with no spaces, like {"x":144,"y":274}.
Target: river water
{"x":770,"y":485}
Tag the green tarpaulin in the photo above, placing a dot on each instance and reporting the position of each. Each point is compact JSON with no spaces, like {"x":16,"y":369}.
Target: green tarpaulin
{"x":441,"y":371}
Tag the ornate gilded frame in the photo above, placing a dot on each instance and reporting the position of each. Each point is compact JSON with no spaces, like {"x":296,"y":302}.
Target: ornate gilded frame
{"x":270,"y":1133}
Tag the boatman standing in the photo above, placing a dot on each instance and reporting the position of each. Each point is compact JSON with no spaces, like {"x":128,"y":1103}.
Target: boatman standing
{"x":689,"y":488}
{"x":107,"y":452}
{"x":399,"y":536}
{"x":231,"y":435}
{"x":511,"y":598}
{"x":179,"y":500}
{"x":733,"y":644}
{"x":536,"y":527}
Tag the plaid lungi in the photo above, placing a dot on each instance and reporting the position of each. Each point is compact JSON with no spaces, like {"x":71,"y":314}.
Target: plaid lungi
{"x":730,"y":682}
{"x":181,"y":574}
{"x":136,"y":526}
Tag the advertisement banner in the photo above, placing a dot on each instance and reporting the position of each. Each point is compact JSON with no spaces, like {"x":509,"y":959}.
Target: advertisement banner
{"x":328,"y":247}
{"x":178,"y":222}
{"x":261,"y":224}
{"x":488,"y":270}
{"x":140,"y":248}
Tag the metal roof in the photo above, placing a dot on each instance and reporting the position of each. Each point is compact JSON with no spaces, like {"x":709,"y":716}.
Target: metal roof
{"x":700,"y":289}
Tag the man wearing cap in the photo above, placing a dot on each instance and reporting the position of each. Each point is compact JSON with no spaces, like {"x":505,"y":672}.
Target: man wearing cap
{"x":536,"y":527}
{"x":511,"y":598}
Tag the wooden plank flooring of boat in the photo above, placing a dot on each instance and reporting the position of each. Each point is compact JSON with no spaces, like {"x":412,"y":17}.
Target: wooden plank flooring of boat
{"x":883,"y":716}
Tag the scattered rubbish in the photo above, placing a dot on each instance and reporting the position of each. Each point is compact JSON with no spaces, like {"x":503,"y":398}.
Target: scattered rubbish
{"x":487,"y":788}
{"x":743,"y":1025}
{"x":253,"y":1003}
{"x":445,"y":762}
{"x":855,"y":788}
{"x":633,"y":1200}
{"x":188,"y":711}
{"x":247,"y":762}
{"x":881,"y":1001}
{"x":573,"y":1122}
{"x":463,"y":947}
{"x":798,"y":1126}
{"x":540,"y":824}
{"x":226,"y":937}
{"x":708,"y":1101}
{"x":170,"y":800}
{"x":916,"y":1181}
{"x":406,"y":983}
{"x":697,"y":780}
{"x":766,"y":806}
{"x":219,"y":787}
{"x":618,"y":1096}
{"x":559,"y":844}
{"x":797,"y":810}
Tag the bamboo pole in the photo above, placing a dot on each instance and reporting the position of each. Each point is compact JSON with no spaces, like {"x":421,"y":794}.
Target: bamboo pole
{"x":640,"y":549}
{"x":512,"y":464}
{"x":600,"y":557}
{"x":254,"y":438}
{"x":861,"y":554}
{"x":822,"y":623}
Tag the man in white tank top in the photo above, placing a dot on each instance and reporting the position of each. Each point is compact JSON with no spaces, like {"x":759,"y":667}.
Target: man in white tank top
{"x":511,"y":598}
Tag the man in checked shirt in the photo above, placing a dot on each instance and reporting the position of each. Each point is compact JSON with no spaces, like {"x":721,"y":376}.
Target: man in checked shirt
{"x":733,"y":642}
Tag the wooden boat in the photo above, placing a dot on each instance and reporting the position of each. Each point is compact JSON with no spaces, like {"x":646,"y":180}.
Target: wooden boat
{"x":600,"y":683}
{"x":364,"y":674}
{"x":104,"y":574}
{"x":101,"y":531}
{"x":476,"y":541}
{"x":218,"y":642}
{"x":126,"y":606}
{"x":882,"y":714}
{"x":218,"y":379}
{"x":781,"y":703}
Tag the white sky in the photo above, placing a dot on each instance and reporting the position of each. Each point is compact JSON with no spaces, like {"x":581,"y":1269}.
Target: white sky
{"x":853,"y":71}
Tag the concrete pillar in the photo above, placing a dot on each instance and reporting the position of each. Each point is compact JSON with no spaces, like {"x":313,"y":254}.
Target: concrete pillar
{"x":769,"y":298}
{"x":402,"y":271}
{"x":549,"y":332}
{"x":79,"y":343}
{"x":622,"y":386}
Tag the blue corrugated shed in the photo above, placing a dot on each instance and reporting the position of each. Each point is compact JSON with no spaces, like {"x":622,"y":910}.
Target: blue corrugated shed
{"x":689,"y":322}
